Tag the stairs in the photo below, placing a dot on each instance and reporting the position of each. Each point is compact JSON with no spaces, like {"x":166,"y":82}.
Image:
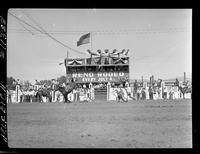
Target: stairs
{"x":100,"y":94}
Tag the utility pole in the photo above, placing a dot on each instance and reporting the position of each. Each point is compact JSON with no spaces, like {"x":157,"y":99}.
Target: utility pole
{"x":91,"y":41}
{"x":142,"y":80}
{"x":66,"y":65}
{"x":184,"y":80}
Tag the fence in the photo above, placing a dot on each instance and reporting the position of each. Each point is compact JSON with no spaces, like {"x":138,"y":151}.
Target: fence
{"x":91,"y":93}
{"x":163,"y":92}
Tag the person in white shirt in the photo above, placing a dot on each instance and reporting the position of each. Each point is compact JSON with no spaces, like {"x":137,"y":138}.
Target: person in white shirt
{"x":106,"y":56}
{"x":138,"y":93}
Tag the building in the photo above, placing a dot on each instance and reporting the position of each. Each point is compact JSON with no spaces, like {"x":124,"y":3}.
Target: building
{"x":98,"y":71}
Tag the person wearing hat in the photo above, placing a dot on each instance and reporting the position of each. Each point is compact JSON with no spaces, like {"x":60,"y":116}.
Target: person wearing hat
{"x":106,"y":56}
{"x":100,"y":55}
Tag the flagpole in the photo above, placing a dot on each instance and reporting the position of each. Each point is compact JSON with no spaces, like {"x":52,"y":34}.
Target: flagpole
{"x":67,"y":63}
{"x":91,"y":41}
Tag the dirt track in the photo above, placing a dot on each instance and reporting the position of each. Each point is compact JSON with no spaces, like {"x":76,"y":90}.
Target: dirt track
{"x":136,"y":124}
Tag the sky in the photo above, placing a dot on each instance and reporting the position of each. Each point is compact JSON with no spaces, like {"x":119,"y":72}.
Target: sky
{"x":159,"y":40}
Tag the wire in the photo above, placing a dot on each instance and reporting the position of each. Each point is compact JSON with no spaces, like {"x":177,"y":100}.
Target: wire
{"x":31,"y":18}
{"x":118,"y":32}
{"x":46,"y":33}
{"x":26,"y":29}
{"x":25,"y":22}
{"x":158,"y":52}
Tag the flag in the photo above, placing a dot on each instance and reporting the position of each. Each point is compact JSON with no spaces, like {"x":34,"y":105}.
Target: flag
{"x":114,"y":51}
{"x":84,"y":39}
{"x":127,"y":52}
{"x":61,"y":63}
{"x":124,"y":52}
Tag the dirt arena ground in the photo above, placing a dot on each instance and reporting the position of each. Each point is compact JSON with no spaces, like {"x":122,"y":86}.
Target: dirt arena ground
{"x":136,"y":124}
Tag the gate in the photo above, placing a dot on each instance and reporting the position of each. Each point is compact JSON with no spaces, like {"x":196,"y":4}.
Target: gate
{"x":100,"y":94}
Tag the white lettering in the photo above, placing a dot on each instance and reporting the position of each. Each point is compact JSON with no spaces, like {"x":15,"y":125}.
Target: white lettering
{"x":83,"y":79}
{"x":86,"y":75}
{"x":104,"y":74}
{"x":110,"y":74}
{"x":80,"y":75}
{"x":92,"y":80}
{"x":110,"y":78}
{"x":91,"y":74}
{"x":121,"y":74}
{"x":99,"y":74}
{"x":115,"y":74}
{"x":74,"y":75}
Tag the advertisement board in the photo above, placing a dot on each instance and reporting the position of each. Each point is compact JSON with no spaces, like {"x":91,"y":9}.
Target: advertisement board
{"x":98,"y":77}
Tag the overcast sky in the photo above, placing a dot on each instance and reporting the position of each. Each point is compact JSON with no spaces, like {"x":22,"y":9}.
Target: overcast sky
{"x":159,"y":40}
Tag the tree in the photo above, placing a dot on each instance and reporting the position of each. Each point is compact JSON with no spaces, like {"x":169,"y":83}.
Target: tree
{"x":45,"y":82}
{"x":61,"y":79}
{"x":26,"y":85}
{"x":11,"y":83}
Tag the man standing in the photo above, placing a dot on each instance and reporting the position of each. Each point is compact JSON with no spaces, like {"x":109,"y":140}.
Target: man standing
{"x":106,"y":56}
{"x":165,"y":93}
{"x":138,"y":93}
{"x":159,"y":92}
{"x":150,"y":93}
{"x":100,"y":55}
{"x":143,"y":94}
{"x":9,"y":96}
{"x":135,"y":89}
{"x":91,"y":54}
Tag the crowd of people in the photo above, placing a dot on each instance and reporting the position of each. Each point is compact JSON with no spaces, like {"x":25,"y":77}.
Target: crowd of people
{"x":85,"y":92}
{"x":142,"y":92}
{"x":82,"y":93}
{"x":23,"y":96}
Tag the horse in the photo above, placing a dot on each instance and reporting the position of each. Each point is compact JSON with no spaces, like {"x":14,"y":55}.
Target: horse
{"x":43,"y":93}
{"x":120,"y":95}
{"x":66,"y":90}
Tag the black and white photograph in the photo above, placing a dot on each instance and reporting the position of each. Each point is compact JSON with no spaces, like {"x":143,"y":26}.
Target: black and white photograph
{"x":99,"y":78}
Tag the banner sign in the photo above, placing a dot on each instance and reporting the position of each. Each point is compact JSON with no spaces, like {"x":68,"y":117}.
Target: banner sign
{"x":98,"y":77}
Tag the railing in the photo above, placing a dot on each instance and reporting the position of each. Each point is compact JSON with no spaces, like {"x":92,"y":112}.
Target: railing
{"x":97,"y":61}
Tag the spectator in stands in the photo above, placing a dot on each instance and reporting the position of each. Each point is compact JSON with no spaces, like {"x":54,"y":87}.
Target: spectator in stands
{"x":106,"y":56}
{"x":100,"y":55}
